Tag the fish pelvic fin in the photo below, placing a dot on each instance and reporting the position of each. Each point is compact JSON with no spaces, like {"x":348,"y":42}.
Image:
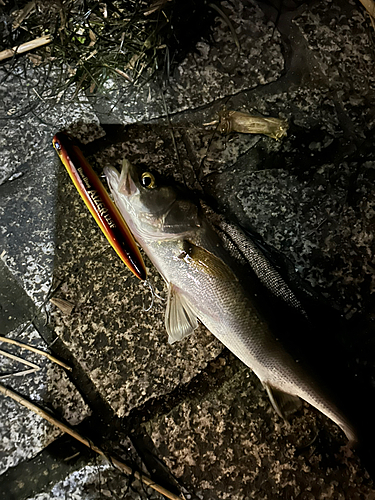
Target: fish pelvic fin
{"x":180,"y":317}
{"x":283,"y":403}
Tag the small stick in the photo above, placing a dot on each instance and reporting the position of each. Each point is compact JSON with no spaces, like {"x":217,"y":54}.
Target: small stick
{"x":87,"y":442}
{"x":158,"y":5}
{"x":20,"y":374}
{"x":37,"y":351}
{"x":21,"y":360}
{"x":40,"y":97}
{"x":124,"y":75}
{"x":23,"y":14}
{"x":25,"y":47}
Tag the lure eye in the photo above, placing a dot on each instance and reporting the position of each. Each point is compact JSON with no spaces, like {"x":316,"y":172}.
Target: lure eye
{"x":148,"y":180}
{"x":57,"y":146}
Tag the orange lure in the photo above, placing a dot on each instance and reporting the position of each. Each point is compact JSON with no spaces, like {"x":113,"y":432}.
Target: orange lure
{"x":99,"y":203}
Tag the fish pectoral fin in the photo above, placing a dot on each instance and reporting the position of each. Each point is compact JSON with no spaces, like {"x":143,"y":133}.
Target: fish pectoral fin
{"x":283,"y":403}
{"x":180,"y":317}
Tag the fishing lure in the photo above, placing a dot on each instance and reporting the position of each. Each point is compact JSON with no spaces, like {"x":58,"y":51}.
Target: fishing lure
{"x":99,"y":203}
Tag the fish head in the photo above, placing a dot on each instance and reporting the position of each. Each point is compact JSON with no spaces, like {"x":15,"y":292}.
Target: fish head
{"x":151,"y":208}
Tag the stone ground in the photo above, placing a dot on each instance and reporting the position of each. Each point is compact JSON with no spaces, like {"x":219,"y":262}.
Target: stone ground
{"x":190,"y":414}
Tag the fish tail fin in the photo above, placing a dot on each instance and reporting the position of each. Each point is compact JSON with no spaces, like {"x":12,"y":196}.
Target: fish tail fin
{"x":286,"y":404}
{"x":349,"y":432}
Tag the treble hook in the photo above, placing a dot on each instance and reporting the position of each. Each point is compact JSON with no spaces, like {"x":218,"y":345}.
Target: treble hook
{"x":147,"y":283}
{"x":153,"y":295}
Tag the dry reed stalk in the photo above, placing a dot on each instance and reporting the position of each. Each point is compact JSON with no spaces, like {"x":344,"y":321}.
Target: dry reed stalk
{"x":244,"y":123}
{"x":22,"y":14}
{"x":25,"y":47}
{"x":21,"y":360}
{"x":87,"y":442}
{"x":37,"y":351}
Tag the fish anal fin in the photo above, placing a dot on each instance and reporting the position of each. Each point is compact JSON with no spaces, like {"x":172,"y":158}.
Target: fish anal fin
{"x":283,"y":403}
{"x":180,"y":317}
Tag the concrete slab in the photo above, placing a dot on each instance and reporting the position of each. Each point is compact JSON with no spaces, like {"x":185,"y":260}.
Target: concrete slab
{"x":228,"y":443}
{"x":120,"y":344}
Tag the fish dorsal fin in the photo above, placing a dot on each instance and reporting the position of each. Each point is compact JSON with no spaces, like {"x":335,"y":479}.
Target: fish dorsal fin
{"x":180,"y":317}
{"x":261,"y":265}
{"x":245,"y":249}
{"x":283,"y":403}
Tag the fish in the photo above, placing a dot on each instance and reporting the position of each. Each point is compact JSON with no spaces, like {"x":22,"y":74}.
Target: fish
{"x":217,"y":275}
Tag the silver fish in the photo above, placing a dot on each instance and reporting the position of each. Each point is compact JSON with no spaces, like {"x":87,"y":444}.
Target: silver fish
{"x":202,"y":269}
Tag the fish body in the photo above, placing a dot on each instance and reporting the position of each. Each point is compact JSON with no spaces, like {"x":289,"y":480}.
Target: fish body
{"x":205,"y":283}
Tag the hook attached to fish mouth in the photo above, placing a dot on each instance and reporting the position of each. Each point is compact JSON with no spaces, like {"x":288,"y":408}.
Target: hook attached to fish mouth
{"x":100,"y":205}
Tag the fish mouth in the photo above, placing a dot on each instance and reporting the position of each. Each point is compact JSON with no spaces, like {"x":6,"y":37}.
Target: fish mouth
{"x":127,"y":185}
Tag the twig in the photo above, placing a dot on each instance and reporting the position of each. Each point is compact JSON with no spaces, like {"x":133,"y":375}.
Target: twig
{"x":37,"y":351}
{"x":19,"y":374}
{"x":124,"y":75}
{"x":36,"y":93}
{"x":87,"y":442}
{"x":25,"y":47}
{"x":23,"y":14}
{"x":211,"y":124}
{"x":21,"y":360}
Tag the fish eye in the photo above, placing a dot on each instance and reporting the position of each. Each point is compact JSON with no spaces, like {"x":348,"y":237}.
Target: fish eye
{"x":148,"y":180}
{"x":57,"y":146}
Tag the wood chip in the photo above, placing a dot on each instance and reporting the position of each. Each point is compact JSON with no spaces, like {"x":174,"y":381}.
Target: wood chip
{"x":64,"y":305}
